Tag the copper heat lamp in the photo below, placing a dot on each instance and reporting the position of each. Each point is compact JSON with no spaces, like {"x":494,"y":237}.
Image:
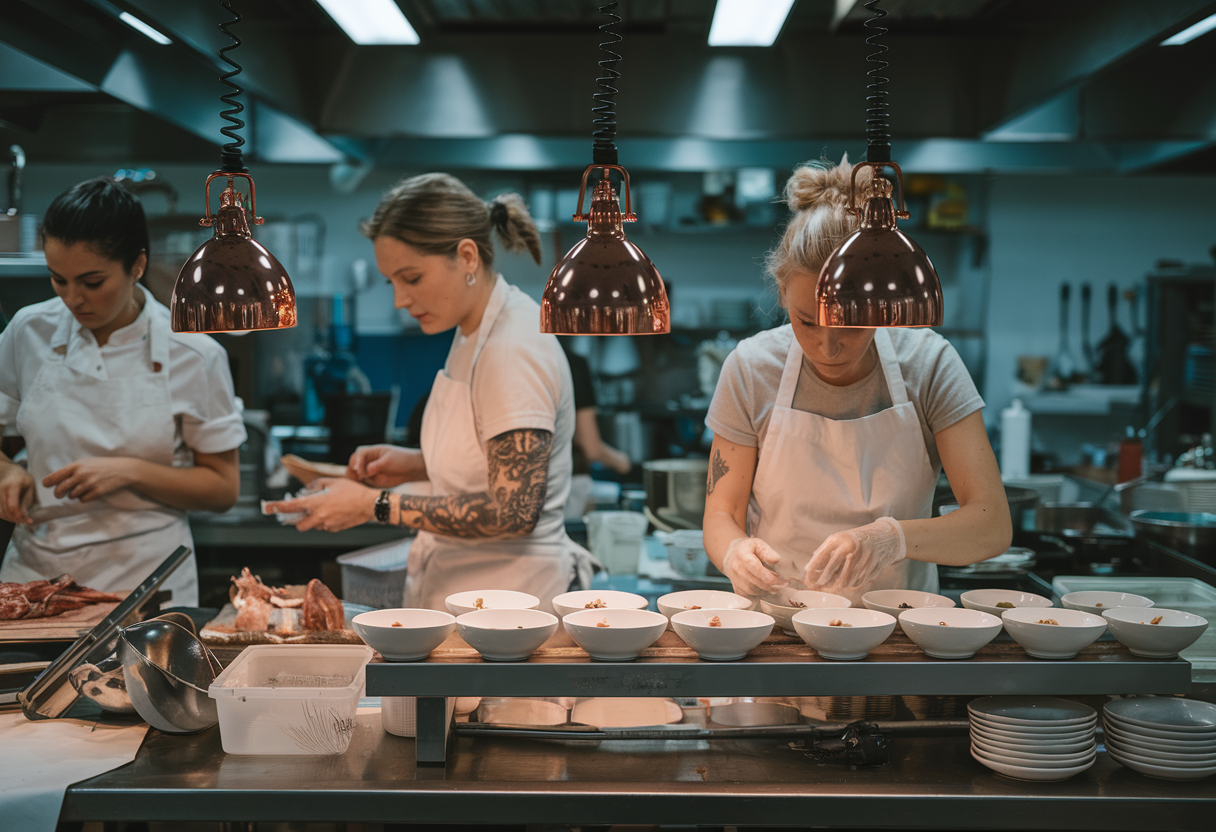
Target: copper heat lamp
{"x":878,"y":276}
{"x":605,"y":285}
{"x":232,"y":283}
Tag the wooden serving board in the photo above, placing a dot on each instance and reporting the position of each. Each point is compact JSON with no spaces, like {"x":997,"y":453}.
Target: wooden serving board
{"x":67,"y":626}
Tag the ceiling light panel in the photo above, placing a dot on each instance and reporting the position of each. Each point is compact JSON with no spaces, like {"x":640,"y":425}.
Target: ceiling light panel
{"x":748,"y":22}
{"x":371,"y":22}
{"x":144,"y":29}
{"x":1191,"y":32}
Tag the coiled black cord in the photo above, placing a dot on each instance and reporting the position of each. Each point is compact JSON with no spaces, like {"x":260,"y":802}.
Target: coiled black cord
{"x":878,"y":127}
{"x":603,"y":150}
{"x":231,"y":152}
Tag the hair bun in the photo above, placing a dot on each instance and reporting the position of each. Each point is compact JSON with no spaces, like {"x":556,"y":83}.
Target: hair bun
{"x":500,"y":214}
{"x":822,"y":184}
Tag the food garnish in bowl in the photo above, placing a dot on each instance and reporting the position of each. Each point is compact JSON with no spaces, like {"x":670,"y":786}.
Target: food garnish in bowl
{"x":906,"y":606}
{"x":943,"y":624}
{"x":1048,"y":621}
{"x":693,"y":607}
{"x":1156,"y":620}
{"x":715,"y":621}
{"x":597,"y":604}
{"x":1005,"y":605}
{"x":836,"y":622}
{"x":603,"y":623}
{"x":479,"y":604}
{"x":796,"y":603}
{"x":396,"y":624}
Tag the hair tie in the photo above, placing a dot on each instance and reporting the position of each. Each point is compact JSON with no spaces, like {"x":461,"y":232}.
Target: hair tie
{"x":499,"y":215}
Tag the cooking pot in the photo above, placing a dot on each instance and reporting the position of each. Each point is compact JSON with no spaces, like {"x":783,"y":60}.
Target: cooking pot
{"x":1020,"y":501}
{"x":675,"y":492}
{"x":1188,"y":533}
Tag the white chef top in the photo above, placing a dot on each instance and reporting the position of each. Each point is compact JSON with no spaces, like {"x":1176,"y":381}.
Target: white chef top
{"x":206,"y":410}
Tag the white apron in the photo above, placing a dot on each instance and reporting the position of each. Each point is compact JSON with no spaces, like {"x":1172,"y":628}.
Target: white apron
{"x":542,"y":565}
{"x":816,"y":476}
{"x":69,"y":414}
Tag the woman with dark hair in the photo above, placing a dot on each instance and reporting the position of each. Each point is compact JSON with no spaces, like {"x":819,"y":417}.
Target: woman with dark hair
{"x":127,"y":424}
{"x":497,"y":427}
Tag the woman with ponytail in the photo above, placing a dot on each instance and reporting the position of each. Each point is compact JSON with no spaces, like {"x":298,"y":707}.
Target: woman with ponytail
{"x":497,"y":429}
{"x":828,"y":442}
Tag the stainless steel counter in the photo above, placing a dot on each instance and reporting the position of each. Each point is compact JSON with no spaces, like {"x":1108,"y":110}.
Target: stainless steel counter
{"x":931,"y":783}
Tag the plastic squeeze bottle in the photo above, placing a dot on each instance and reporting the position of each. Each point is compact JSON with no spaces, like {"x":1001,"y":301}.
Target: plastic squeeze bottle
{"x":1015,"y":441}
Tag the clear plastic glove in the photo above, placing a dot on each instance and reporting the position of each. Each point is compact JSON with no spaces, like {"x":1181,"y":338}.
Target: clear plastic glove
{"x":745,"y":565}
{"x":853,"y":558}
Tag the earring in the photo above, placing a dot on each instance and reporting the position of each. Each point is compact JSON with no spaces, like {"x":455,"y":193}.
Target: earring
{"x":470,"y":279}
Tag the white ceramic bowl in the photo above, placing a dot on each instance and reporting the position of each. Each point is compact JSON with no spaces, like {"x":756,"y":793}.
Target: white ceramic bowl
{"x":506,"y":635}
{"x":1063,"y":734}
{"x":1021,"y":712}
{"x":810,"y":600}
{"x":1027,"y":772}
{"x":1159,"y":771}
{"x":705,"y":599}
{"x":404,"y":635}
{"x":735,"y":632}
{"x":1165,"y":745}
{"x":987,"y":600}
{"x":965,"y":631}
{"x":1030,"y":746}
{"x":1156,"y":734}
{"x":1177,"y":630}
{"x":1073,"y":631}
{"x":1116,"y":747}
{"x":1201,"y":754}
{"x":611,"y":599}
{"x":1025,"y":758}
{"x":491,"y":599}
{"x":1166,"y":713}
{"x":1099,"y":601}
{"x":628,"y":633}
{"x":889,"y":600}
{"x":865,"y":630}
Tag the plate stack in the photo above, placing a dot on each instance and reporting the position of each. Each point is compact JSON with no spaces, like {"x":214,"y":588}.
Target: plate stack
{"x":1033,"y":737}
{"x":1165,"y":737}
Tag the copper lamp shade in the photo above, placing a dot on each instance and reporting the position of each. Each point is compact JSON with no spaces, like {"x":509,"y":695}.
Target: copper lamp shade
{"x":878,"y":276}
{"x":232,"y":283}
{"x":605,"y":285}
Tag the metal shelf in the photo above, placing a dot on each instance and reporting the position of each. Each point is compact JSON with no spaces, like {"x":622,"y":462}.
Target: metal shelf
{"x":781,"y":666}
{"x":32,"y":264}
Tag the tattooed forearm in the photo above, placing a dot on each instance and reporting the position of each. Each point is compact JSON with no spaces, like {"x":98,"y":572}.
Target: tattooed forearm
{"x":519,"y":469}
{"x":717,"y":469}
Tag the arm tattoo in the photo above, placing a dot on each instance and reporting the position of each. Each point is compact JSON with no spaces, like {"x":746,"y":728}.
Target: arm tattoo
{"x":519,"y":472}
{"x":717,"y":469}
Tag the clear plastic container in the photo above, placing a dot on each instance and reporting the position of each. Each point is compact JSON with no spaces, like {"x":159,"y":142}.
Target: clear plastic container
{"x":290,"y":698}
{"x":375,"y":576}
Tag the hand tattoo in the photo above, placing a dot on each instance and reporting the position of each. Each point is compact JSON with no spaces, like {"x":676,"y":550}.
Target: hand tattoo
{"x":519,"y":472}
{"x":717,"y":469}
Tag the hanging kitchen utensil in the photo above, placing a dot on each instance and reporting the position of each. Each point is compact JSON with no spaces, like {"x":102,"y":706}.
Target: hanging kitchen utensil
{"x":232,"y":283}
{"x":1135,"y":347}
{"x":10,"y":219}
{"x":1113,"y":364}
{"x":605,"y":285}
{"x":1088,"y":364}
{"x":1063,"y":365}
{"x":878,"y":275}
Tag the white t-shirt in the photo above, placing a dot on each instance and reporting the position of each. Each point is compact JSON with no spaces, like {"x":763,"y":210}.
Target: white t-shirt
{"x":939,"y":387}
{"x":205,"y":410}
{"x":521,"y":382}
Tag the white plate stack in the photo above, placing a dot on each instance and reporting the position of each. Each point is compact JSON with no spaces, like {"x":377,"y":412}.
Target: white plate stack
{"x":1033,"y":737}
{"x":1165,"y":737}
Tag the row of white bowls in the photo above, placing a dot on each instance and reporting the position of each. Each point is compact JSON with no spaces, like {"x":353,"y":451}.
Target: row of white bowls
{"x":508,"y":627}
{"x":1162,"y":736}
{"x":1033,"y":737}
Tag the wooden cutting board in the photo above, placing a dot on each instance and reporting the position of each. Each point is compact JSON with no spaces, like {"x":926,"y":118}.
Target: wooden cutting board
{"x":66,"y":626}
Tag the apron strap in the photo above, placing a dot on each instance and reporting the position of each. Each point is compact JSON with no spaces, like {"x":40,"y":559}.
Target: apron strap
{"x":890,"y":367}
{"x":498,"y":299}
{"x":789,"y":376}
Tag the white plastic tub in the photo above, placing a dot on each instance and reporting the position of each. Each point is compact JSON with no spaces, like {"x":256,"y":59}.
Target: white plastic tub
{"x":290,"y":698}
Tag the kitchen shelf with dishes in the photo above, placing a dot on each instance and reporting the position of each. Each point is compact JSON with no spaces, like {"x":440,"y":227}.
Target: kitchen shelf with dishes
{"x":779,"y":665}
{"x":25,"y":264}
{"x":1079,"y":399}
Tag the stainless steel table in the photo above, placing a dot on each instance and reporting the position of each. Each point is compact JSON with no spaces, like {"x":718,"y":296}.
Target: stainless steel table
{"x":931,"y":783}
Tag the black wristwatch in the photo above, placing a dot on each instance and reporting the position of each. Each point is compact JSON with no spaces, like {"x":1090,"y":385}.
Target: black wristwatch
{"x":383,"y":507}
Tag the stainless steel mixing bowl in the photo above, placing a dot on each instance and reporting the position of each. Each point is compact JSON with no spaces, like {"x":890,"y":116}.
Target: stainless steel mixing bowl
{"x":168,"y":671}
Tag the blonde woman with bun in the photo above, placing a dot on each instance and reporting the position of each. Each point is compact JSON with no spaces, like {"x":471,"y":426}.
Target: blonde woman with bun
{"x":828,"y":442}
{"x":497,"y":428}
